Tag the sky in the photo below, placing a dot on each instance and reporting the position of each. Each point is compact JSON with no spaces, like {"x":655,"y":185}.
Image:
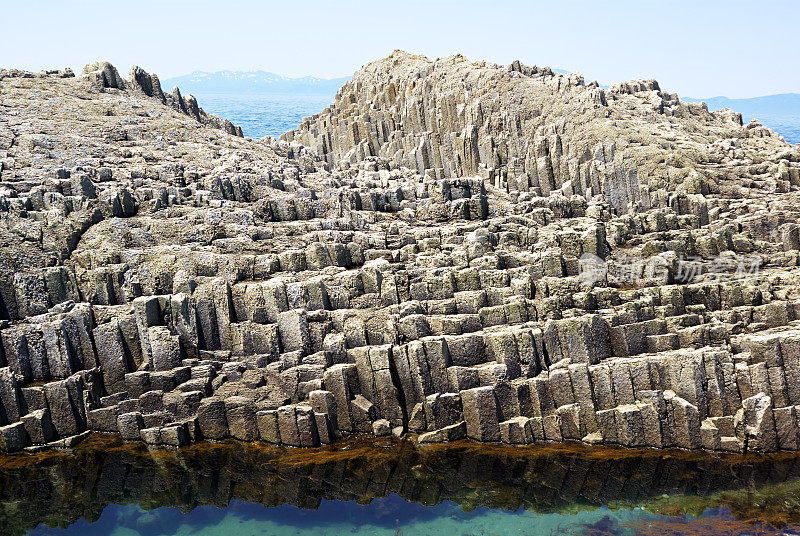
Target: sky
{"x":700,"y":48}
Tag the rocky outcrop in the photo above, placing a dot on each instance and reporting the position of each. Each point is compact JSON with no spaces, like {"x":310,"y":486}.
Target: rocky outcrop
{"x":633,"y":282}
{"x":104,"y":75}
{"x":147,"y":83}
{"x":150,"y":85}
{"x":528,"y":130}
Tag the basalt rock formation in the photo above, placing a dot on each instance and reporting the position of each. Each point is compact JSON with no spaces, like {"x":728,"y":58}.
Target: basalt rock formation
{"x":452,"y":250}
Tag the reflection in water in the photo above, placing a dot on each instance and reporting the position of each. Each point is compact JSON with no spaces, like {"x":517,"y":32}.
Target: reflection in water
{"x":109,"y":487}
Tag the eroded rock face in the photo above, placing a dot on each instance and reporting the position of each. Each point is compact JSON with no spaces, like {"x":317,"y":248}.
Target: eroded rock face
{"x":454,"y":249}
{"x":532,"y":132}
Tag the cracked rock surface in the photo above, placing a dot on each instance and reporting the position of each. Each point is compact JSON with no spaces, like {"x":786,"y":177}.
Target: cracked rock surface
{"x":452,"y":249}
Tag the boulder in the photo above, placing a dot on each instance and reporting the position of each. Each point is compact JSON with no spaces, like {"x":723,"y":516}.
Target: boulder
{"x":13,"y":437}
{"x":103,"y":75}
{"x":211,"y":419}
{"x":480,"y":413}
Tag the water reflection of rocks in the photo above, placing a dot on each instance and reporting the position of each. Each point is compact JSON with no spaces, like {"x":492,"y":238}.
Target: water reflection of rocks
{"x":59,"y":488}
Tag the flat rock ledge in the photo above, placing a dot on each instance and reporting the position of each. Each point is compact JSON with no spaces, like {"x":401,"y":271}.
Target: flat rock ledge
{"x":453,"y":249}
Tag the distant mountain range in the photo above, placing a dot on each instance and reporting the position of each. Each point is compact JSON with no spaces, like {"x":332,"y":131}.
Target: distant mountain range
{"x":252,"y":82}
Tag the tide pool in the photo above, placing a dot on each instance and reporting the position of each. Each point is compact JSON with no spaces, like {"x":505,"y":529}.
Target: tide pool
{"x":364,"y":486}
{"x":390,"y":516}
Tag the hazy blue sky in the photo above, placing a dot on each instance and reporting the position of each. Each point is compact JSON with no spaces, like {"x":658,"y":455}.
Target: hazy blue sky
{"x":698,"y":48}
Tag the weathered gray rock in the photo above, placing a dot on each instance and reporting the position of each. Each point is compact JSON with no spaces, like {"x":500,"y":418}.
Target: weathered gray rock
{"x":480,"y":414}
{"x":13,"y":437}
{"x":165,"y":348}
{"x":212,"y":420}
{"x":174,"y":435}
{"x":293,"y":327}
{"x":9,"y":396}
{"x":39,"y":426}
{"x":454,"y":432}
{"x":65,"y":405}
{"x":240,"y":413}
{"x":514,"y":431}
{"x":130,"y":425}
{"x":756,"y":425}
{"x":104,"y":75}
{"x":619,"y":267}
{"x":288,"y":426}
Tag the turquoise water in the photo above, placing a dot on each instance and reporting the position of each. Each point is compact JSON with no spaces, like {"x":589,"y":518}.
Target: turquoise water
{"x":391,"y":516}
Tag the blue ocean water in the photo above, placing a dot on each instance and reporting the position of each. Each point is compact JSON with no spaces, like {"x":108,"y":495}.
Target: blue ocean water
{"x":265,"y":114}
{"x":262,"y":115}
{"x":785,"y":124}
{"x":779,"y":112}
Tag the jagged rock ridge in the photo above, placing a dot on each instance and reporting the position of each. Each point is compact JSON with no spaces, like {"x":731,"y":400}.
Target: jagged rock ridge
{"x":105,"y":75}
{"x":528,"y":130}
{"x":171,"y":282}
